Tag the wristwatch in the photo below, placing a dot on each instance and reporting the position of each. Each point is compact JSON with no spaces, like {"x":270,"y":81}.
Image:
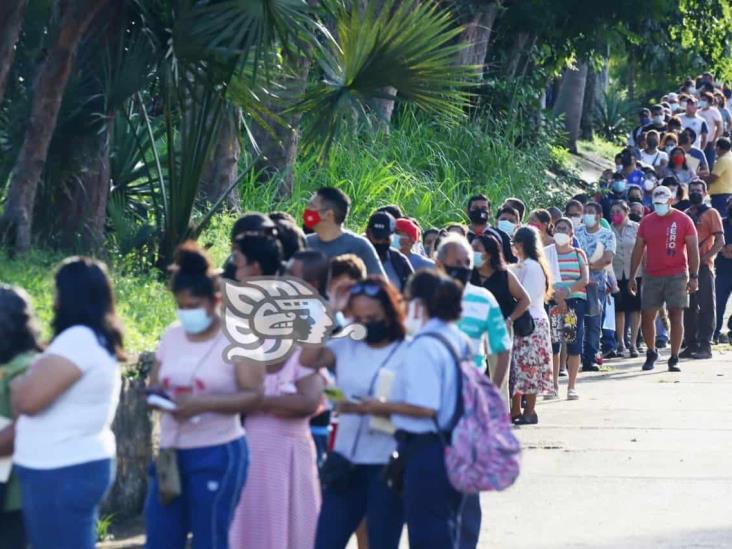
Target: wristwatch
{"x":694,"y":275}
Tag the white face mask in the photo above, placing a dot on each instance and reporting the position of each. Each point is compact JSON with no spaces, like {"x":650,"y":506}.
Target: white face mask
{"x":658,"y":119}
{"x":703,"y":104}
{"x":576,"y":220}
{"x":415,"y":317}
{"x":194,"y":321}
{"x":649,"y":184}
{"x":682,"y":105}
{"x":562,"y":239}
{"x":507,"y":227}
{"x":618,"y":167}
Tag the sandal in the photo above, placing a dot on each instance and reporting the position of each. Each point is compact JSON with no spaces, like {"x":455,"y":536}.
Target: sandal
{"x":572,"y":394}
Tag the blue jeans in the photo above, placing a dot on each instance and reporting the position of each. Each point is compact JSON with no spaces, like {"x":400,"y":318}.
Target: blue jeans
{"x":212,"y":479}
{"x":470,"y":522}
{"x":60,"y":505}
{"x":661,"y":332}
{"x":367,"y":497}
{"x":591,"y":344}
{"x":320,"y":438}
{"x":724,"y":290}
{"x":433,"y":508}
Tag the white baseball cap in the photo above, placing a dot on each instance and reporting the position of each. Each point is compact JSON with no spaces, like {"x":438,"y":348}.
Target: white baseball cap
{"x":673,"y":97}
{"x":662,"y":194}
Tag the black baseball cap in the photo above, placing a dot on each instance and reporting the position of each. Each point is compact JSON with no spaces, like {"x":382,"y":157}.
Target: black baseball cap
{"x":381,"y":225}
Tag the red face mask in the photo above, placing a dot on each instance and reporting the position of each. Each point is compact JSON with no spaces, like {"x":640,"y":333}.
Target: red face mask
{"x":677,"y":161}
{"x":617,"y":218}
{"x":310,"y":218}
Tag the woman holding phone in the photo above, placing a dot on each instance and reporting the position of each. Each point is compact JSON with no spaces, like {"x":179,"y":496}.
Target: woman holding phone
{"x":202,"y":438}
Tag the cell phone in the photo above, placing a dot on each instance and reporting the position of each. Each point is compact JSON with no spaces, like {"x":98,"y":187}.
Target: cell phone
{"x":160,"y":399}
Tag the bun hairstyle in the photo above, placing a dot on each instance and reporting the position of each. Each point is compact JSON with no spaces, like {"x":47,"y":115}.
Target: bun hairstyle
{"x":192,"y":272}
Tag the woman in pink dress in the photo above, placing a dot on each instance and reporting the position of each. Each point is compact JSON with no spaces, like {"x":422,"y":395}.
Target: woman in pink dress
{"x":280,"y":503}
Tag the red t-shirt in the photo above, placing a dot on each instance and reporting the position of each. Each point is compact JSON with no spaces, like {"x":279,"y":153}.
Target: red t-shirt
{"x":665,"y":238}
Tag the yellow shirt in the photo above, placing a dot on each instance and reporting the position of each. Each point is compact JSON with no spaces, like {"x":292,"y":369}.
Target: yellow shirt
{"x":723,"y":169}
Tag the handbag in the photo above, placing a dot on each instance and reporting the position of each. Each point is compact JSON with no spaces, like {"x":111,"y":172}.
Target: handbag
{"x":524,"y":325}
{"x":167,"y":473}
{"x":337,"y":472}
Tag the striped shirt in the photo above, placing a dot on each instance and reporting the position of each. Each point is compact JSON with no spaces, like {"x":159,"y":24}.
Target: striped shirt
{"x":570,"y":268}
{"x":483,"y":322}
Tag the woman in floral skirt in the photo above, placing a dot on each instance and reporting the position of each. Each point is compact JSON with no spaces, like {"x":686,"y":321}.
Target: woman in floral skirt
{"x":531,"y":360}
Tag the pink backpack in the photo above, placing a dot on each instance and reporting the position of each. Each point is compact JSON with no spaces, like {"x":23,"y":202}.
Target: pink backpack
{"x":483,"y":454}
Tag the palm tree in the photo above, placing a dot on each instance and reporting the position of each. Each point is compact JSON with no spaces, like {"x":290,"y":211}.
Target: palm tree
{"x":206,"y":56}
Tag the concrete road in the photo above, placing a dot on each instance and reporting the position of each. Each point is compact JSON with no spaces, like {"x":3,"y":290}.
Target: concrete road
{"x":641,"y":460}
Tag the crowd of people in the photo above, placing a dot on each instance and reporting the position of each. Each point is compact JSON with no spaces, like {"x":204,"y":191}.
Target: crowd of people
{"x":266,"y":456}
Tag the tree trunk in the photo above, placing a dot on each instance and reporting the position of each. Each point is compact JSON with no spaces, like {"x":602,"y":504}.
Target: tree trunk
{"x":48,"y":86}
{"x":278,"y":143}
{"x":11,"y":21}
{"x":222,"y":168}
{"x":570,"y":100}
{"x":477,"y":35}
{"x":588,"y":106}
{"x":385,"y":107}
{"x":82,"y":206}
{"x":519,"y":44}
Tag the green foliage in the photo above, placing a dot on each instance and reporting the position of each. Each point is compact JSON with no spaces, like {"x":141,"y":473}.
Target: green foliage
{"x":614,"y":116}
{"x":102,"y":527}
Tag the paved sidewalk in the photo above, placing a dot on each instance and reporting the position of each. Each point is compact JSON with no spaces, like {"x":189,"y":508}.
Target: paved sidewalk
{"x":641,"y":460}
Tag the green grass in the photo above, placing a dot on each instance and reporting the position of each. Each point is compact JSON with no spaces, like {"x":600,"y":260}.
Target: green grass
{"x":600,"y":147}
{"x":143,"y":302}
{"x":429,"y":169}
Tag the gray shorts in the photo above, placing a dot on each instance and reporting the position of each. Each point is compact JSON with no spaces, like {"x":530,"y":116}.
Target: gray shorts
{"x":671,"y":290}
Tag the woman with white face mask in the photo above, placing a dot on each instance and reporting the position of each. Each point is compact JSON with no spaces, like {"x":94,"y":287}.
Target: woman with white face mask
{"x":201,"y":396}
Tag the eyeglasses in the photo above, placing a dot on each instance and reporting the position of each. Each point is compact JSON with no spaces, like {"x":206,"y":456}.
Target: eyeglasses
{"x":370,"y":289}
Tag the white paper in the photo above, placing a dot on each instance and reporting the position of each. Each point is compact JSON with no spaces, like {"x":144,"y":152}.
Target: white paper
{"x":609,"y":323}
{"x":692,"y":162}
{"x":382,"y":390}
{"x":6,"y":462}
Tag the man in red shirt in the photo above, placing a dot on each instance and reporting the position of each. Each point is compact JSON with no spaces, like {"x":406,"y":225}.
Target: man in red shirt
{"x":700,"y":319}
{"x":669,"y":240}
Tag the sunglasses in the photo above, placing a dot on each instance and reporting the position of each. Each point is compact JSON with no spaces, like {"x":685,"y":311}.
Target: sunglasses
{"x":369,"y":289}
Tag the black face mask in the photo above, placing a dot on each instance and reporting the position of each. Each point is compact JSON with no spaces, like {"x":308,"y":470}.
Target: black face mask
{"x":381,"y":248}
{"x":376,"y":331}
{"x":461,"y":274}
{"x":696,"y":198}
{"x":635,"y":217}
{"x":479,"y":216}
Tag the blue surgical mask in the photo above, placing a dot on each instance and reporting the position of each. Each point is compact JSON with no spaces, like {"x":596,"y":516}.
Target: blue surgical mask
{"x":396,"y":241}
{"x":194,"y":321}
{"x":507,"y":227}
{"x":661,"y":209}
{"x":477,"y":260}
{"x":590,"y":220}
{"x":619,"y":185}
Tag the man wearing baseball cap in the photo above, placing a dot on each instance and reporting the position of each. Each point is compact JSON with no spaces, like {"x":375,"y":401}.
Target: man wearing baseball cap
{"x":407,"y":235}
{"x":669,"y":240}
{"x":379,"y":231}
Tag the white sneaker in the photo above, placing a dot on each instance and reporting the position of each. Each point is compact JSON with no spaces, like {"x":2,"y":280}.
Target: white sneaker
{"x":572,"y":394}
{"x":553,"y":395}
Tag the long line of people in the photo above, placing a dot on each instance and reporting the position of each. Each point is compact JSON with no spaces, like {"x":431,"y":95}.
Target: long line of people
{"x":257,"y":456}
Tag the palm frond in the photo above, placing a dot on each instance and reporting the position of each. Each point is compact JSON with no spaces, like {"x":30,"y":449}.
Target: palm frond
{"x":407,"y":45}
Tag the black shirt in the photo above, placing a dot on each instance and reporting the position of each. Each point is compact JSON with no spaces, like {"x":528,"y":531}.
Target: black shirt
{"x":497,"y":284}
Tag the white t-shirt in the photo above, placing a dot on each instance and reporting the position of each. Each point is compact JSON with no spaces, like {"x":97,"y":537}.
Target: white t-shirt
{"x":532,"y":278}
{"x":696,"y":123}
{"x":712,"y":117}
{"x":656,"y":159}
{"x":77,"y":427}
{"x":552,"y":258}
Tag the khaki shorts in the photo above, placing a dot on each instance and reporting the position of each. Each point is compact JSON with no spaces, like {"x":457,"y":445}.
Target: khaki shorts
{"x":671,"y":290}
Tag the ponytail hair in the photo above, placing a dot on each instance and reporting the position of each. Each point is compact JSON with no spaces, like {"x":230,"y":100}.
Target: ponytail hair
{"x":192,"y":272}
